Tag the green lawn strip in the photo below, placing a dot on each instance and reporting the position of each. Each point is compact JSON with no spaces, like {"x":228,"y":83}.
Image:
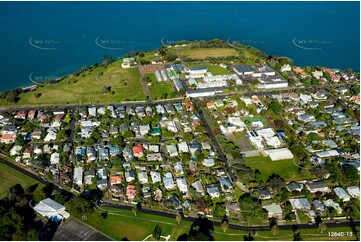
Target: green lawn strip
{"x":284,"y":168}
{"x":123,"y":223}
{"x":9,"y":177}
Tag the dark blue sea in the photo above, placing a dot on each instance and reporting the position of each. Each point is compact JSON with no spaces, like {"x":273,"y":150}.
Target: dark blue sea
{"x":49,"y":39}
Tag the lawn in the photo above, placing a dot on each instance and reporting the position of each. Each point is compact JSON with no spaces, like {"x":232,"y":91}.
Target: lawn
{"x":10,"y":177}
{"x":87,"y":88}
{"x":284,"y":168}
{"x":161,"y":90}
{"x":207,"y":52}
{"x":120,"y":224}
{"x":216,"y":69}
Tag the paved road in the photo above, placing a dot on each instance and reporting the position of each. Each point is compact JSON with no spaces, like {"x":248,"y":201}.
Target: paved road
{"x":32,"y":175}
{"x":233,"y":226}
{"x":216,"y":144}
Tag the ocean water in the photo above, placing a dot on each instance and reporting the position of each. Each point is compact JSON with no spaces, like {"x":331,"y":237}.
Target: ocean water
{"x":49,"y":39}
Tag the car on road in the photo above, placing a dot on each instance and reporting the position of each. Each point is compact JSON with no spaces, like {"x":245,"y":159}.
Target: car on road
{"x":310,"y":223}
{"x":337,"y":222}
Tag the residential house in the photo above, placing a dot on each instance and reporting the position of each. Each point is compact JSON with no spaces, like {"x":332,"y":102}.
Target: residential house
{"x":114,"y":150}
{"x":319,"y":206}
{"x":168,"y":181}
{"x":114,"y":130}
{"x":115,"y":180}
{"x":294,"y":186}
{"x":354,"y":191}
{"x":8,"y":138}
{"x":54,"y":158}
{"x":102,"y":184}
{"x":129,"y":175}
{"x":138,"y":151}
{"x":263,"y":193}
{"x":127,"y":154}
{"x":131,"y":192}
{"x":274,"y":211}
{"x":172,"y":150}
{"x":102,"y":173}
{"x":144,"y":129}
{"x":27,"y":153}
{"x":78,"y":175}
{"x":178,"y":169}
{"x":182,"y":185}
{"x":317,"y":186}
{"x":155,"y":177}
{"x":103,"y":153}
{"x":143,"y":177}
{"x":208,"y":162}
{"x":332,"y":205}
{"x":225,"y":184}
{"x":300,"y":203}
{"x":183,"y":147}
{"x":154,"y":157}
{"x":88,"y":177}
{"x":198,"y":186}
{"x":90,"y":151}
{"x":342,"y":194}
{"x":213,"y":190}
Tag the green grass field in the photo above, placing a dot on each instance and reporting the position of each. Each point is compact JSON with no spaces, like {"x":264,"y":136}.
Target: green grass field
{"x":216,"y":69}
{"x":159,"y":90}
{"x":284,"y":168}
{"x":87,"y":88}
{"x":207,"y":52}
{"x":120,"y":224}
{"x":9,"y":177}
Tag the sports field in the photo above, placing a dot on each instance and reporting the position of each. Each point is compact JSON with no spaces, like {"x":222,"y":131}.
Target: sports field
{"x":208,"y":52}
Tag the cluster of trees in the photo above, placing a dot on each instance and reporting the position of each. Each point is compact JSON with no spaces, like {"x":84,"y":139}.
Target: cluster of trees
{"x":17,"y":218}
{"x":201,"y":230}
{"x":11,"y":95}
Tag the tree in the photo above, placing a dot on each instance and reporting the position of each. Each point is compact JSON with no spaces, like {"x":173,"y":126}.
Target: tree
{"x":250,"y":207}
{"x":274,"y":230}
{"x":276,"y":107}
{"x":178,"y":218}
{"x":79,"y":207}
{"x":33,"y":235}
{"x":157,"y":232}
{"x":322,"y":226}
{"x":276,"y":183}
{"x":135,"y":210}
{"x":225,"y":226}
{"x":20,"y":140}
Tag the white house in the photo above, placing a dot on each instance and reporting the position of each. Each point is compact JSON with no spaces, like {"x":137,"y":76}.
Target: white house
{"x":354,"y":191}
{"x":342,"y":194}
{"x":155,"y":177}
{"x":286,"y":67}
{"x":182,"y":185}
{"x":54,"y":158}
{"x":168,"y":181}
{"x":78,"y":175}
